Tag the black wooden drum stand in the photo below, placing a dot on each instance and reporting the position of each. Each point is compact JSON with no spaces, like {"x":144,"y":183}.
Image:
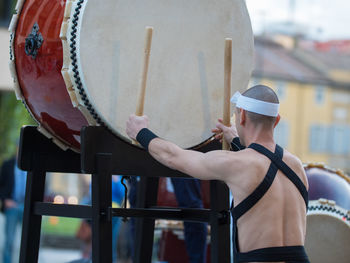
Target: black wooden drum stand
{"x":102,"y":155}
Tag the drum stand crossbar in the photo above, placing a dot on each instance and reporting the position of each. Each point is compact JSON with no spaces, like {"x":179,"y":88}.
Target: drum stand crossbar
{"x":103,"y":154}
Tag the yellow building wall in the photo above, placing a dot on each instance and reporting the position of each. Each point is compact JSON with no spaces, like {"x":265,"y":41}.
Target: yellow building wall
{"x":313,"y":113}
{"x":290,"y":106}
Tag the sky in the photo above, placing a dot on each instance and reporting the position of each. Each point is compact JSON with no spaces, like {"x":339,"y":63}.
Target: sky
{"x":324,"y":19}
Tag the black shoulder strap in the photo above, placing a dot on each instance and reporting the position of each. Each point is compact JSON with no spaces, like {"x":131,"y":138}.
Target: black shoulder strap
{"x":284,"y":168}
{"x":260,"y":191}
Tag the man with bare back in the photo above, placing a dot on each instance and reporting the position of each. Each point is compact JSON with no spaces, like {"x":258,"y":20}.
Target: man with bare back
{"x":268,"y":184}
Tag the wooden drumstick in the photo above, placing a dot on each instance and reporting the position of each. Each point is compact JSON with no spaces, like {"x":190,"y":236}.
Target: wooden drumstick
{"x":147,"y":52}
{"x":142,"y":93}
{"x":227,"y":88}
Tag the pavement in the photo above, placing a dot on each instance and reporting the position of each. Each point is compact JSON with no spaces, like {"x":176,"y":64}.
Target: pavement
{"x":46,"y":255}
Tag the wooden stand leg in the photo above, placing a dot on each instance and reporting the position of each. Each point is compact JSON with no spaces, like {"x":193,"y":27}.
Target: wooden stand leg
{"x":32,"y":223}
{"x":146,"y":197}
{"x":101,"y":201}
{"x":220,"y":228}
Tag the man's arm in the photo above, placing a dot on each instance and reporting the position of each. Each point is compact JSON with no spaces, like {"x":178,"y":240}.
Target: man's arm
{"x":229,"y":134}
{"x":205,"y":166}
{"x":214,"y":165}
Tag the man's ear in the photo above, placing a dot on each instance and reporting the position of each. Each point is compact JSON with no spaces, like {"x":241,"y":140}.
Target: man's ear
{"x":242,"y":117}
{"x":278,"y":118}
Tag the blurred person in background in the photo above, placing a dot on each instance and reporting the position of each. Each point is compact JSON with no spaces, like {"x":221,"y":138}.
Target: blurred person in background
{"x":12,"y":195}
{"x":117,"y":199}
{"x":188,"y":195}
{"x":84,"y":232}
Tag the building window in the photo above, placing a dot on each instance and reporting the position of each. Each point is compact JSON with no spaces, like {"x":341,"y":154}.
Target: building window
{"x":339,"y":139}
{"x":341,"y":97}
{"x":281,"y":134}
{"x":332,"y":139}
{"x":320,"y":94}
{"x":281,"y":89}
{"x":340,"y":114}
{"x":318,"y":140}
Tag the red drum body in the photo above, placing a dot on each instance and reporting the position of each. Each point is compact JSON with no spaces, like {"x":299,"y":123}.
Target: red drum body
{"x":38,"y":81}
{"x":328,"y":217}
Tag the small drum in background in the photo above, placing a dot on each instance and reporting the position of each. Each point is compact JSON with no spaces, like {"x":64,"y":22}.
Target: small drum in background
{"x":328,"y":217}
{"x":328,"y":232}
{"x":328,"y":183}
{"x":79,"y":62}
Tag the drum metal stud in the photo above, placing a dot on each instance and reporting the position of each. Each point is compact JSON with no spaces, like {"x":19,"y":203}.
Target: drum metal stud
{"x":33,"y":42}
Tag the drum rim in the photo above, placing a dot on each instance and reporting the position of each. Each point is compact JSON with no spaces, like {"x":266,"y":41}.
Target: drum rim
{"x":328,"y":207}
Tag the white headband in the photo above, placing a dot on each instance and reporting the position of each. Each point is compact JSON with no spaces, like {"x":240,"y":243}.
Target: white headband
{"x":256,"y":106}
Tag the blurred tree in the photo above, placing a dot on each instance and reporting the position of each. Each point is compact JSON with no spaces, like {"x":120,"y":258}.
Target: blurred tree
{"x":13,"y":116}
{"x":7,"y":8}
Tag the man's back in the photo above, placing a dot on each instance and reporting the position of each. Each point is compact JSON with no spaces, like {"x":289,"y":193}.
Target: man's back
{"x":271,"y":221}
{"x":279,"y":217}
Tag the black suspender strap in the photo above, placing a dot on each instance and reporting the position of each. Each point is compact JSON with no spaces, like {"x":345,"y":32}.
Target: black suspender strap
{"x":260,"y":191}
{"x":289,"y":254}
{"x":236,"y":145}
{"x":284,"y":168}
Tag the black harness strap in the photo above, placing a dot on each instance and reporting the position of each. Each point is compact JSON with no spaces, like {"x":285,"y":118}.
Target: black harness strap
{"x":291,"y":254}
{"x":275,"y":254}
{"x":260,"y":191}
{"x":284,"y":168}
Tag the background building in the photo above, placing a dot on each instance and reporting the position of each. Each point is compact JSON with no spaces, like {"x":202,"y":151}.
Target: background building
{"x":314,"y":89}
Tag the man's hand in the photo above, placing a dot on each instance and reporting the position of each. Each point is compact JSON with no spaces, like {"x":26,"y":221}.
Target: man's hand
{"x":135,"y":124}
{"x":9,"y":203}
{"x":222,"y":130}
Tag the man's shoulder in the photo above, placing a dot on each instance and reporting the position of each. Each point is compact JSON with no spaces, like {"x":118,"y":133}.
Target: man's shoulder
{"x":292,"y":159}
{"x":296,"y":165}
{"x":246,"y":158}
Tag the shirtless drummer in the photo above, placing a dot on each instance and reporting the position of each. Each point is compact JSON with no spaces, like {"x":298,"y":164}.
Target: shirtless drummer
{"x":269,"y":185}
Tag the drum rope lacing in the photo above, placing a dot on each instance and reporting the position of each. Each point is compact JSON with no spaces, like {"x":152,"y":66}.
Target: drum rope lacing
{"x":330,"y":209}
{"x":75,"y":66}
{"x":11,"y":51}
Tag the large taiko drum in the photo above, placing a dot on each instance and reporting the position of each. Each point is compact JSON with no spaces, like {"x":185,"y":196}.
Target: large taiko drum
{"x":79,"y":63}
{"x":328,"y":218}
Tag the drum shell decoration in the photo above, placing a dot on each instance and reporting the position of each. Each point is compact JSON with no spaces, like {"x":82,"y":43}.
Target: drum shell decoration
{"x":328,"y":183}
{"x":38,"y":80}
{"x":328,"y":218}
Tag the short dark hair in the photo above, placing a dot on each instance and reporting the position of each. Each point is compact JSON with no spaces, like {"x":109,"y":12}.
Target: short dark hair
{"x":264,"y":93}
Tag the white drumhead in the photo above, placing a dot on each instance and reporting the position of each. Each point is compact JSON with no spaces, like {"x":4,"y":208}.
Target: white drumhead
{"x":184,"y":95}
{"x":327,"y":233}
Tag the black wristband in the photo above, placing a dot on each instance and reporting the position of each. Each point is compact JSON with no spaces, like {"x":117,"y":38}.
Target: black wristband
{"x":144,"y":137}
{"x":236,"y":145}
